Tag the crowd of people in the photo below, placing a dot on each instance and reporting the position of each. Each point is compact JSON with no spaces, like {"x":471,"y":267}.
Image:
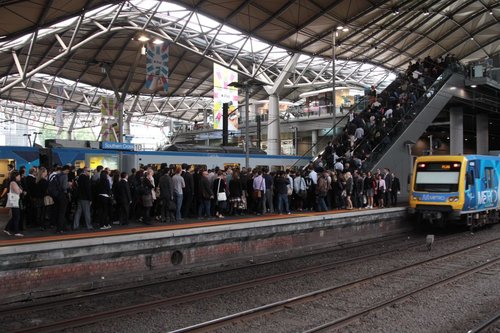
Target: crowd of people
{"x":338,"y":179}
{"x":385,"y":115}
{"x":65,"y":199}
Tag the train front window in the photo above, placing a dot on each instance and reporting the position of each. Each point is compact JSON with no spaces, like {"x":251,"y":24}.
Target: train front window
{"x":437,"y":176}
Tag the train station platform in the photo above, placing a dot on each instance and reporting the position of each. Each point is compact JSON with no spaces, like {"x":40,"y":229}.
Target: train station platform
{"x":46,"y":265}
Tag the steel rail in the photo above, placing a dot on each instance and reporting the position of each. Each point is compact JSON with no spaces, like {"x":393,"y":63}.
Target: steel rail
{"x":341,"y":322}
{"x":133,"y":309}
{"x":51,"y":303}
{"x":485,"y":324}
{"x":280,"y":305}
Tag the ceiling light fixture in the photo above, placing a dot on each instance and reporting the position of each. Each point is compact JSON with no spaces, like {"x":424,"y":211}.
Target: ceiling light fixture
{"x":158,"y":41}
{"x":473,"y":86}
{"x":143,"y":38}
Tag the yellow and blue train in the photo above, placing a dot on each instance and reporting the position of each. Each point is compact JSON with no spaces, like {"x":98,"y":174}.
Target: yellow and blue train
{"x":456,"y":189}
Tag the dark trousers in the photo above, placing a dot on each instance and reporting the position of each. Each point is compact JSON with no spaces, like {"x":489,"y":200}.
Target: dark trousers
{"x":387,"y":200}
{"x":167,"y":215}
{"x":62,"y":206}
{"x":124,"y":208}
{"x":40,"y":216}
{"x":186,"y":204}
{"x":260,"y":204}
{"x":102,"y":210}
{"x":394,"y":198}
{"x":13,"y":224}
{"x":204,"y":208}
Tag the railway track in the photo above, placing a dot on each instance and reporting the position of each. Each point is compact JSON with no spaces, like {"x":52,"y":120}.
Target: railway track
{"x":52,"y":302}
{"x":195,"y":296}
{"x":485,"y":325}
{"x":273,"y":308}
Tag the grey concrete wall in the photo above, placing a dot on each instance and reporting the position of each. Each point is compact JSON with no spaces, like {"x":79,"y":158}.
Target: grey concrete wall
{"x":35,"y":270}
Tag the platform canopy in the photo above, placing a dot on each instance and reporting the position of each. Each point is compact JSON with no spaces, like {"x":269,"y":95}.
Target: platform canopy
{"x":72,"y":52}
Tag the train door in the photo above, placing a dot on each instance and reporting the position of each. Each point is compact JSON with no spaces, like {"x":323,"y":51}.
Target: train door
{"x":4,"y":169}
{"x":276,"y":168}
{"x":471,"y":193}
{"x":231,"y":165}
{"x":106,"y":160}
{"x":488,"y":196}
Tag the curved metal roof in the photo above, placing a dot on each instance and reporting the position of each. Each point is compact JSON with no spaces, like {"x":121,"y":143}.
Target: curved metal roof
{"x":388,"y":33}
{"x":75,"y":51}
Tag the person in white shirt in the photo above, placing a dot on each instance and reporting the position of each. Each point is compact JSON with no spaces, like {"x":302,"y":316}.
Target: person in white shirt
{"x":359,"y":133}
{"x":339,"y":166}
{"x":381,"y":188}
{"x":313,"y":175}
{"x":259,"y":190}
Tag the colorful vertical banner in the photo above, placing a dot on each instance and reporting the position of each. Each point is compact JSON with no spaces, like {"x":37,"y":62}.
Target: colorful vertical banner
{"x":157,"y":66}
{"x":109,"y":119}
{"x":225,"y":94}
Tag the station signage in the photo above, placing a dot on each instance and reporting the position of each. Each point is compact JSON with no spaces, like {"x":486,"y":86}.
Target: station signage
{"x":117,"y":146}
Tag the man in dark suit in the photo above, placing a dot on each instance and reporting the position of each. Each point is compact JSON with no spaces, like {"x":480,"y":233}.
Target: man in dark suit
{"x":205,"y":194}
{"x":188,"y":191}
{"x":30,"y":184}
{"x":395,"y":190}
{"x":388,"y":187}
{"x":124,"y":198}
{"x":167,"y":197}
{"x":84,"y":198}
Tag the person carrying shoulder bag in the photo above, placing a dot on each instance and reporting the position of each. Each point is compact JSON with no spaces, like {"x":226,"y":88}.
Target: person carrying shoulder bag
{"x":13,"y":199}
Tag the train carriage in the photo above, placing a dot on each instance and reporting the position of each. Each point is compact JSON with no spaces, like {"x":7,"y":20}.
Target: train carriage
{"x":456,"y":189}
{"x":126,"y":160}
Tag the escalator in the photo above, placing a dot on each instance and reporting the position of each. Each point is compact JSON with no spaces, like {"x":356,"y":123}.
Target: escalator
{"x":393,"y":150}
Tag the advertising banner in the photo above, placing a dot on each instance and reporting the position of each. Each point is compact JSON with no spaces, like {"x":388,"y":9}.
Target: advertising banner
{"x":157,"y":66}
{"x":109,"y":119}
{"x":225,"y":94}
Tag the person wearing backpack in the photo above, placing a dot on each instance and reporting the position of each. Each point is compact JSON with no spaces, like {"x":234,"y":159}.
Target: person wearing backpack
{"x":58,"y":188}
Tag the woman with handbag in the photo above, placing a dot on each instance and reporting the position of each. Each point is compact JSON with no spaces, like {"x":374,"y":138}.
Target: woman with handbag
{"x":147,"y":196}
{"x":13,"y":197}
{"x":220,"y":194}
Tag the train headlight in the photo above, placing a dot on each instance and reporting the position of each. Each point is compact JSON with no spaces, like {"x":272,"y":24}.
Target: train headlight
{"x":453,"y":199}
{"x":415,"y":198}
